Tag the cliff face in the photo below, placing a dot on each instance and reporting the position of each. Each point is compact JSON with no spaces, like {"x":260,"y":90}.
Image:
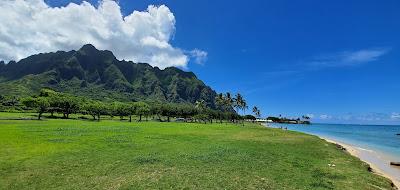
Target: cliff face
{"x":98,"y":74}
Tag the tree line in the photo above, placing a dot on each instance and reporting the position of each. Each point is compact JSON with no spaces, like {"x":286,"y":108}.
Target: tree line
{"x":227,"y":108}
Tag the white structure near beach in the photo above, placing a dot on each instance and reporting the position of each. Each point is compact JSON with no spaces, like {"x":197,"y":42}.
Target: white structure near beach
{"x":264,"y":120}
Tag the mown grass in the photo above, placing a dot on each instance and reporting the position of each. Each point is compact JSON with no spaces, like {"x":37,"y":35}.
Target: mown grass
{"x":111,"y":154}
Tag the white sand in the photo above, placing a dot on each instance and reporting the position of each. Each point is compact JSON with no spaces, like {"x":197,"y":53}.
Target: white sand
{"x":377,"y":161}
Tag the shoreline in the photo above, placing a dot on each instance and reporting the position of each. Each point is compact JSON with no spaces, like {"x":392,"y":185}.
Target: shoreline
{"x":363,"y":155}
{"x":378,"y":162}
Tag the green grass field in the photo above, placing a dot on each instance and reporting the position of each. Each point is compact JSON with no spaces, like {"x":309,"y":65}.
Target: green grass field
{"x":111,"y":154}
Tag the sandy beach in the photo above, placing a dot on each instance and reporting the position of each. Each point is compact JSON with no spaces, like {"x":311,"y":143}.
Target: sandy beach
{"x":378,"y":162}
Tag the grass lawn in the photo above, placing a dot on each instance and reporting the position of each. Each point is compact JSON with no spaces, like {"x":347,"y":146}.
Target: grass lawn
{"x":111,"y":154}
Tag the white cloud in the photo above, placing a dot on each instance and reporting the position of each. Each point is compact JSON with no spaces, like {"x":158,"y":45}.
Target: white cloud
{"x":373,"y":116}
{"x":199,"y":56}
{"x":362,"y":56}
{"x":310,"y":115}
{"x":325,"y":117}
{"x":395,"y":116}
{"x":349,"y":58}
{"x":31,"y":26}
{"x":346,"y":117}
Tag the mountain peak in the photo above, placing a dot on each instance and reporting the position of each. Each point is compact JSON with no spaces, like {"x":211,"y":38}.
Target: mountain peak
{"x":93,"y":54}
{"x":103,"y":76}
{"x":88,"y":48}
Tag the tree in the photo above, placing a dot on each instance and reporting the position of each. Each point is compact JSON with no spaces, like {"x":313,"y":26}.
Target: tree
{"x":306,"y":117}
{"x":120,"y":109}
{"x":249,"y":117}
{"x":67,"y":104}
{"x":53,"y":98}
{"x":131,"y":108}
{"x":228,"y":105}
{"x":40,"y":104}
{"x":244,"y":106}
{"x":95,"y":109}
{"x":228,"y":101}
{"x":168,"y":110}
{"x":186,"y":110}
{"x":201,"y":117}
{"x":220,"y":101}
{"x":256,"y":111}
{"x":238,"y":102}
{"x":200,"y":105}
{"x":53,"y":104}
{"x":142,"y":109}
{"x":156,"y":110}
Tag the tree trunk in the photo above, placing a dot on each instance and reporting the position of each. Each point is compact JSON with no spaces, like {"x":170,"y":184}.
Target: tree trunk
{"x":168,"y":119}
{"x":130,"y":118}
{"x":140,"y":117}
{"x":39,"y":116}
{"x":98,"y":117}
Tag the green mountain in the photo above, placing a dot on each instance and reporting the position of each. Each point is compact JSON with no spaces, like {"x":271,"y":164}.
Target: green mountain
{"x":99,"y":75}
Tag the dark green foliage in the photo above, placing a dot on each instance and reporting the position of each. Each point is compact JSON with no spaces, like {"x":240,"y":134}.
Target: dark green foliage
{"x":120,"y":109}
{"x":67,"y":104}
{"x":95,"y":109}
{"x":49,"y":101}
{"x":141,"y":109}
{"x":40,"y":104}
{"x":98,"y":75}
{"x":287,"y":120}
{"x":8,"y":102}
{"x":249,"y":117}
{"x":256,"y":111}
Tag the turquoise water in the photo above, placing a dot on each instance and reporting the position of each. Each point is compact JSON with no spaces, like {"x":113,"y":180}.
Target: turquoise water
{"x":381,"y":138}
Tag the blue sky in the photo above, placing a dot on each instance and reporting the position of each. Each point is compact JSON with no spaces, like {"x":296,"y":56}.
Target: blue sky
{"x":335,"y":60}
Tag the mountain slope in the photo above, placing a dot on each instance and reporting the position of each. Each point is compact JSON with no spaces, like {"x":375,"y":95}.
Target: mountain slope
{"x":98,"y":74}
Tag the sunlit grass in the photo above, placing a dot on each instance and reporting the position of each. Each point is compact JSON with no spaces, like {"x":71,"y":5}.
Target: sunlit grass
{"x":112,"y":154}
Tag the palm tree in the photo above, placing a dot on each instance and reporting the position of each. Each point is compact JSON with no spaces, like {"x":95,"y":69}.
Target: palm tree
{"x":256,"y":111}
{"x":244,"y":106}
{"x":201,"y":105}
{"x":228,"y":101}
{"x":238,"y":102}
{"x":220,"y":101}
{"x":306,"y":117}
{"x":228,"y":104}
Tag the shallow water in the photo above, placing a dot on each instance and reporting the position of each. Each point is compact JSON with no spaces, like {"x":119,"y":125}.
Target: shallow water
{"x":378,"y":138}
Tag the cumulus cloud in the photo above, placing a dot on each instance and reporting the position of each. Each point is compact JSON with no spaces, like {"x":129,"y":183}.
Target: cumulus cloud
{"x":395,"y":116}
{"x":199,"y":56}
{"x":349,"y":58}
{"x":31,"y":26}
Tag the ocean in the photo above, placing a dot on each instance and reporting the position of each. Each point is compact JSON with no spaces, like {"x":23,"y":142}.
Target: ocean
{"x":378,"y":138}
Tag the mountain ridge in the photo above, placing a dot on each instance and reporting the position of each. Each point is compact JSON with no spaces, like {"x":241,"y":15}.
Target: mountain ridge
{"x":98,"y":74}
